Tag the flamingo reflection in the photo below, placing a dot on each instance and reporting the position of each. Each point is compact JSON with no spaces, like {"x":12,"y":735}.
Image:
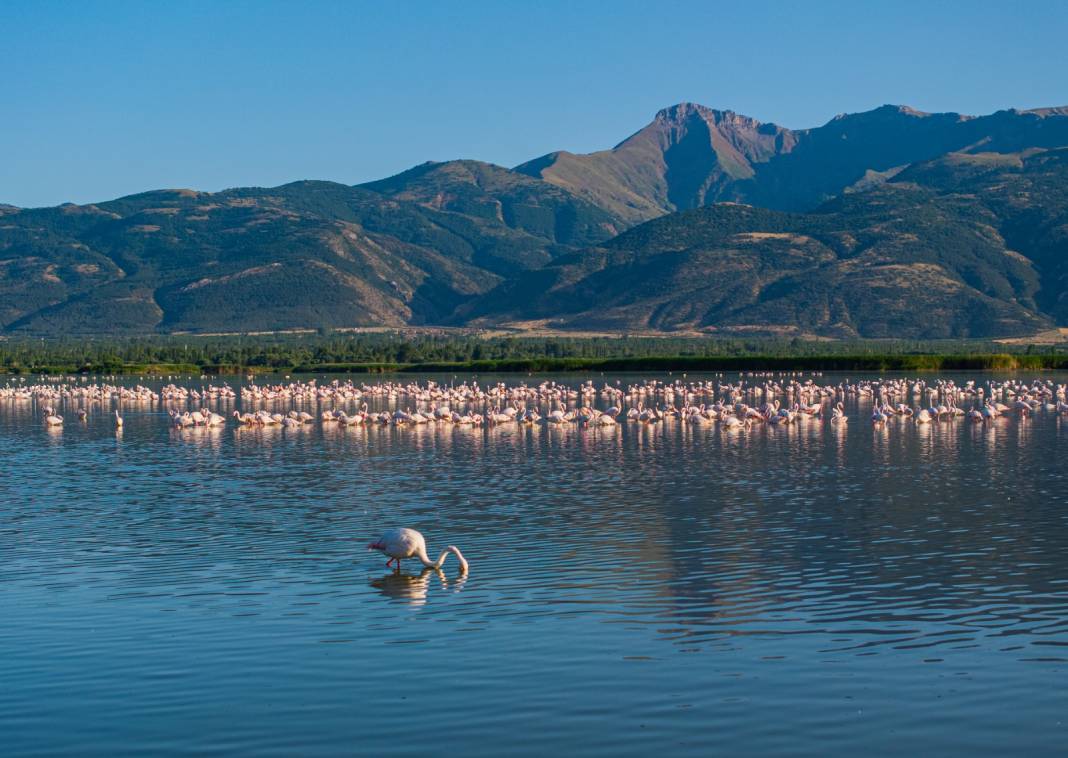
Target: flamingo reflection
{"x":414,"y":588}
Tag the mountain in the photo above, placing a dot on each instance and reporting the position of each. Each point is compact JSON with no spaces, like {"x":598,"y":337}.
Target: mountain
{"x":853,"y":148}
{"x":966,"y":245}
{"x":304,"y":254}
{"x":484,"y":191}
{"x":1026,"y":196}
{"x":891,"y":222}
{"x":691,"y":156}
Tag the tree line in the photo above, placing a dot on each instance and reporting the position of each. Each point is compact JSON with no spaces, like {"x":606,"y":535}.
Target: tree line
{"x":395,"y":350}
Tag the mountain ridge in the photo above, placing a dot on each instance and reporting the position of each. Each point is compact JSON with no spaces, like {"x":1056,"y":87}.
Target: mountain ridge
{"x":957,"y":209}
{"x":943,"y":249}
{"x":740,"y":164}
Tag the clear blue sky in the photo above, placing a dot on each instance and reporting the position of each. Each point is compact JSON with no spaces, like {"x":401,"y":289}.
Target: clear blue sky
{"x":101,"y":99}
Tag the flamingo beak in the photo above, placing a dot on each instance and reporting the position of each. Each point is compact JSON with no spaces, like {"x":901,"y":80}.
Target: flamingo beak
{"x":374,"y":546}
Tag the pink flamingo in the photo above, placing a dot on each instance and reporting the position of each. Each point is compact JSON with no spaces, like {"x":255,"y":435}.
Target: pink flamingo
{"x":408,"y":543}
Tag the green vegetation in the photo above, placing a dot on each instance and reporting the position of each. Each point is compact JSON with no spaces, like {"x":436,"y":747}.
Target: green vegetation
{"x":490,"y":193}
{"x":395,"y":351}
{"x":958,"y":257}
{"x":303,"y":255}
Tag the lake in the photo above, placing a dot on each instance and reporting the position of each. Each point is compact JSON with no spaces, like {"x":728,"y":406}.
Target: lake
{"x":804,"y":589}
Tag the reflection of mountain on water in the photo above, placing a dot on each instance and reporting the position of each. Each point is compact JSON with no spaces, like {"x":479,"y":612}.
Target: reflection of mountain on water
{"x":912,"y":552}
{"x":888,"y":535}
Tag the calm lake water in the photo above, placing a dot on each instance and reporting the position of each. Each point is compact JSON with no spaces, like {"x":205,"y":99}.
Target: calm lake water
{"x":803,"y":590}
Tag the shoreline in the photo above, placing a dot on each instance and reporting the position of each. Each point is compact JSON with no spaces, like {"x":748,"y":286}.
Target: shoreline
{"x":918,"y":363}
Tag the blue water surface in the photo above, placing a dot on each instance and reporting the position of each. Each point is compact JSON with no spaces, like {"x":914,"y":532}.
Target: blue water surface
{"x":649,"y":589}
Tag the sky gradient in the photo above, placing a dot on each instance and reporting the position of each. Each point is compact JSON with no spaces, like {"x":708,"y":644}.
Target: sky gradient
{"x":105,"y":99}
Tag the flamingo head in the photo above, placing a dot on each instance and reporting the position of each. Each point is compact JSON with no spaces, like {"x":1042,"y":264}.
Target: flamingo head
{"x":375,"y":546}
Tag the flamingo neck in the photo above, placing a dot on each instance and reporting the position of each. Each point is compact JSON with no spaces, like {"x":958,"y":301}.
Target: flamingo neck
{"x":425,"y":559}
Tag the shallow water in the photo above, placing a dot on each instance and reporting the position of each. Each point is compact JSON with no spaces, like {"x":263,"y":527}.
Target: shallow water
{"x":805,"y":590}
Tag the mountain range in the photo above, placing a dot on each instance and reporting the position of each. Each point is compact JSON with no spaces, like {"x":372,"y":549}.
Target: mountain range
{"x":887,"y":223}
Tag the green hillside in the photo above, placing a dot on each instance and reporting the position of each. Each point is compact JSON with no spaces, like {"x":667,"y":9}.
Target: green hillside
{"x":304,"y":254}
{"x":964,"y":246}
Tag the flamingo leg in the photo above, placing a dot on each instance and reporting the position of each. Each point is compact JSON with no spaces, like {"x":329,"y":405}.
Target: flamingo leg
{"x":389,"y":562}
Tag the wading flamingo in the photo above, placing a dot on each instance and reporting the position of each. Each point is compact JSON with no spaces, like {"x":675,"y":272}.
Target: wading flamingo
{"x":408,"y":543}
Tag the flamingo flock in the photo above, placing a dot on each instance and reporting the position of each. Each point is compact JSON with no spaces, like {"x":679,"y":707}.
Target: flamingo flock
{"x":201,"y":417}
{"x":744,"y":401}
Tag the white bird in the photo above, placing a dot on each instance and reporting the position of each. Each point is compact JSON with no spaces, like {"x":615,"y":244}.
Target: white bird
{"x":118,"y":420}
{"x":407,"y":543}
{"x":604,"y":420}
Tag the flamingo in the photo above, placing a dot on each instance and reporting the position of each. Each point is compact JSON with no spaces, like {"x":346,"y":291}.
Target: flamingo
{"x":182,"y":420}
{"x":604,"y":419}
{"x":733,"y":422}
{"x":557,"y":416}
{"x":407,"y":543}
{"x":118,"y":420}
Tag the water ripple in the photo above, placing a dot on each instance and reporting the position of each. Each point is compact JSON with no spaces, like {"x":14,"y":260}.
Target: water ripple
{"x":663,"y":586}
